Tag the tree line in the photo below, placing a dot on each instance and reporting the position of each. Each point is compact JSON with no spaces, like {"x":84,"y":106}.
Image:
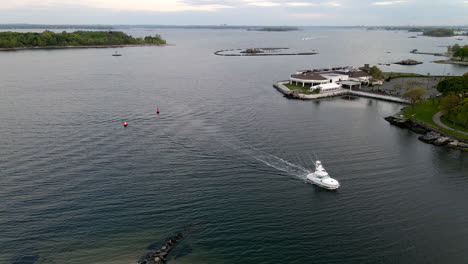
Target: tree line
{"x":77,"y":38}
{"x":455,"y":101}
{"x":439,"y":32}
{"x":458,"y":51}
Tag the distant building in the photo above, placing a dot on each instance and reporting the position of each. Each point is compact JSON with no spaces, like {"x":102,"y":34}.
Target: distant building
{"x":347,"y":76}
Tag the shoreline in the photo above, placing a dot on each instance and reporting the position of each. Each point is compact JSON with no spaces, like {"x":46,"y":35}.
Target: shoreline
{"x":85,"y":47}
{"x":291,"y":94}
{"x":429,"y":134}
{"x":241,"y":54}
{"x":463,"y":63}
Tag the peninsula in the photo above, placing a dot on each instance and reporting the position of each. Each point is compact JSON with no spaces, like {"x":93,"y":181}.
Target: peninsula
{"x":77,"y":39}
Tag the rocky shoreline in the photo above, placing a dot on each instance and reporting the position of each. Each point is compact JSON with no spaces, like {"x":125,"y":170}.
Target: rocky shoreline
{"x":430,"y":134}
{"x":160,"y":256}
{"x":464,"y":63}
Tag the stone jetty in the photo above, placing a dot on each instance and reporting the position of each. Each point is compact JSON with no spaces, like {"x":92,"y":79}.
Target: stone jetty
{"x":160,"y":256}
{"x":430,"y":134}
{"x":260,"y":52}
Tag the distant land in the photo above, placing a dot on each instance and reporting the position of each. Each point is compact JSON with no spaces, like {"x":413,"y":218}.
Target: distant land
{"x":49,"y":39}
{"x":222,"y":26}
{"x":44,"y":26}
{"x":431,"y":31}
{"x":279,"y":29}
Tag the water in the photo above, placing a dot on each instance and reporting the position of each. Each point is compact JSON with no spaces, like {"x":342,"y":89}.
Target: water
{"x":227,"y":151}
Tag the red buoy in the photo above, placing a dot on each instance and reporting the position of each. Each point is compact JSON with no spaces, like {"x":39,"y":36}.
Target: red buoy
{"x":157,"y":110}
{"x":125,"y":124}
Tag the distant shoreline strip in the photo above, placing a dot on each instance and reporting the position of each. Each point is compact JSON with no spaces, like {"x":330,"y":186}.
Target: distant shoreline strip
{"x":84,"y":47}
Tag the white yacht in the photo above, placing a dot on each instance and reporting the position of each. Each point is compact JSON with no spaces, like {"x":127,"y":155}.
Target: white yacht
{"x":321,"y":178}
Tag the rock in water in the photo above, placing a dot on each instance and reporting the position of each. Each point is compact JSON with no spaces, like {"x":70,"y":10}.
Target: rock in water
{"x":408,"y":62}
{"x":453,"y":144}
{"x":441,"y":141}
{"x":429,"y":137}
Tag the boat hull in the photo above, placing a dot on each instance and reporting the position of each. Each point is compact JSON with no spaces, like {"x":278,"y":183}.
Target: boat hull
{"x":320,"y":183}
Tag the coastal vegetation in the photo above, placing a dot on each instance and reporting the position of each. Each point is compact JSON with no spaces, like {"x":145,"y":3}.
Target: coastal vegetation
{"x":461,"y":53}
{"x":77,"y":38}
{"x":439,"y":32}
{"x":45,"y":26}
{"x":393,"y":75}
{"x":415,"y":95}
{"x":376,"y":73}
{"x":424,"y":111}
{"x":454,"y":103}
{"x":304,"y":90}
{"x":458,"y":55}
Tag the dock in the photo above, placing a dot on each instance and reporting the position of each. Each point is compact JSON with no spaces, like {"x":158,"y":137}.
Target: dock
{"x":287,"y":92}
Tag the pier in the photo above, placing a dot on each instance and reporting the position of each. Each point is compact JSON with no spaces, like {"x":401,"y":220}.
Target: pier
{"x":339,"y":92}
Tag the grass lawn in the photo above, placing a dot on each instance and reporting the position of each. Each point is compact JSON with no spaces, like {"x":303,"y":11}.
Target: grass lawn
{"x":304,"y":90}
{"x":454,"y":126}
{"x":402,"y":74}
{"x":424,"y":111}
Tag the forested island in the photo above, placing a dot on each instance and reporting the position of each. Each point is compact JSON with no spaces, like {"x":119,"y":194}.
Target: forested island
{"x":49,"y":39}
{"x":46,"y":26}
{"x":439,"y":32}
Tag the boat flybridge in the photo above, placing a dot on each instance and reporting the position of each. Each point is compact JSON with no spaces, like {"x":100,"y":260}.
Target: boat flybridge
{"x":321,"y":178}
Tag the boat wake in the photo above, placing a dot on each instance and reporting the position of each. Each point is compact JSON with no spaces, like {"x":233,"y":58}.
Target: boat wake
{"x":270,"y":160}
{"x":282,"y":165}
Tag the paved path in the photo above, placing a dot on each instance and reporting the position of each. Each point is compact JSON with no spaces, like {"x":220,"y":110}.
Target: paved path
{"x":436,"y":119}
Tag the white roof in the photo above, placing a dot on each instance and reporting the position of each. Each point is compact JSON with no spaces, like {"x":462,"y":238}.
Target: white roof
{"x":327,"y":86}
{"x":333,"y":75}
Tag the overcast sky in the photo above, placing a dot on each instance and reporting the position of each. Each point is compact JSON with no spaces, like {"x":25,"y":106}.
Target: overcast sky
{"x":236,"y":12}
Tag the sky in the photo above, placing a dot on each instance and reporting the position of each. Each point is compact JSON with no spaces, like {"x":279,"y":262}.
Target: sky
{"x":237,"y":12}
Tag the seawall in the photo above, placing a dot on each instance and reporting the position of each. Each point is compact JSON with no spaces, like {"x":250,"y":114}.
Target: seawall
{"x":287,"y":92}
{"x":430,"y":134}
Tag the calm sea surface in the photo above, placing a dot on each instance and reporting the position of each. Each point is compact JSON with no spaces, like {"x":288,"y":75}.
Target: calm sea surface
{"x":227,"y":152}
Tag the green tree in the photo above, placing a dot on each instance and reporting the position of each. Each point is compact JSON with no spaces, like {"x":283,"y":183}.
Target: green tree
{"x":376,"y":73}
{"x":439,"y":32}
{"x":457,"y":85}
{"x":461,"y":53}
{"x":454,"y":48}
{"x":78,"y":38}
{"x":415,"y":95}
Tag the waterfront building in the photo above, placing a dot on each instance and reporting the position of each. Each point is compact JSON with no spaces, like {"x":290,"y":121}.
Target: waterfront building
{"x":335,"y":77}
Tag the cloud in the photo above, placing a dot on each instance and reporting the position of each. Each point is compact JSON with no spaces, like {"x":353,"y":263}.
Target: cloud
{"x":122,"y":5}
{"x":163,"y":5}
{"x":300,"y":4}
{"x":388,"y":3}
{"x":263,"y":3}
{"x":290,"y":4}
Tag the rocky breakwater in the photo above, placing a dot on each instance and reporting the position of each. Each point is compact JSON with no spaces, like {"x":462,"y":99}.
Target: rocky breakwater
{"x":408,"y":62}
{"x":429,"y":134}
{"x":160,"y":256}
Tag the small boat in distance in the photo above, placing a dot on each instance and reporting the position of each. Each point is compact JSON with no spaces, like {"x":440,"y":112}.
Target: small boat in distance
{"x":321,"y":178}
{"x":116,"y":54}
